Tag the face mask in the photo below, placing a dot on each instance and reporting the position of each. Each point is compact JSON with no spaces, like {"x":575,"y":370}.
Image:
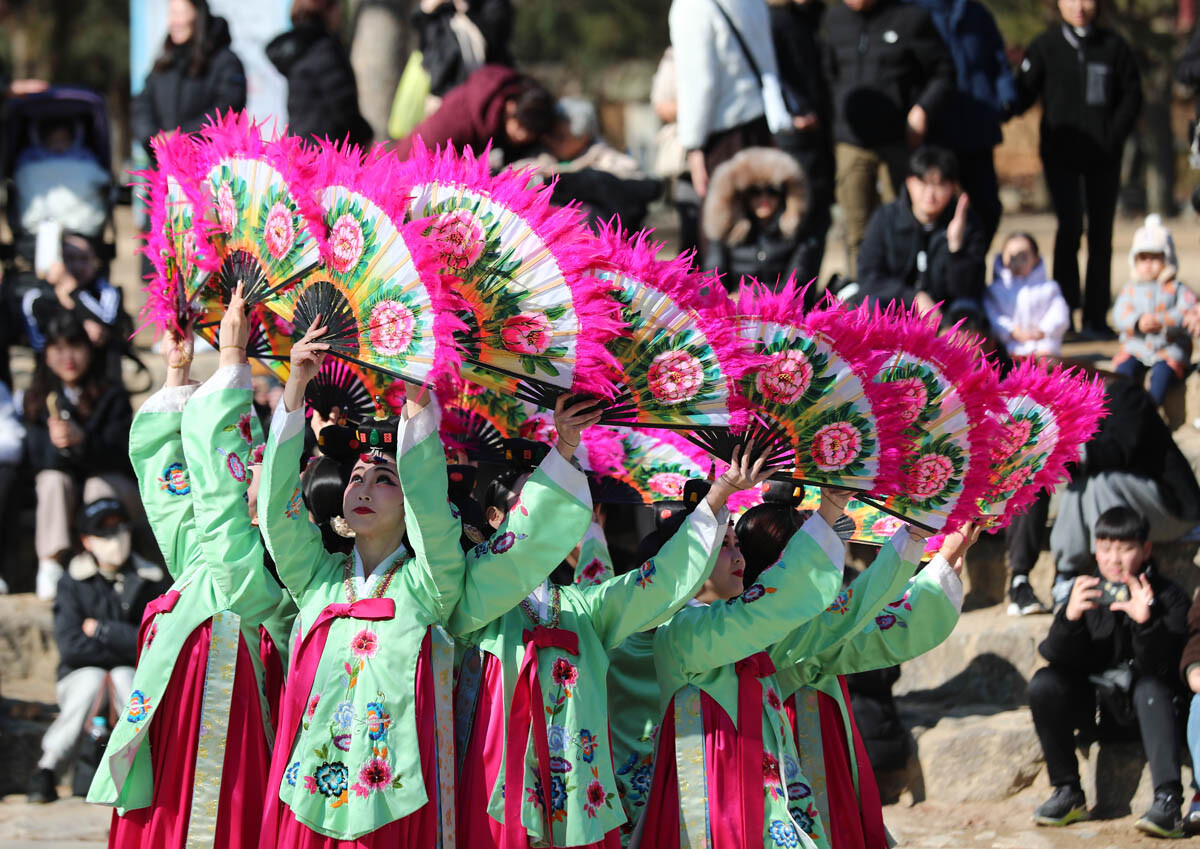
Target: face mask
{"x":112,"y":551}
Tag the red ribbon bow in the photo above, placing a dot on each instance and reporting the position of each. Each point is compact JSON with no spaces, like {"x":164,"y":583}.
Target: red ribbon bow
{"x":527,"y":706}
{"x":304,"y":669}
{"x":165,"y":603}
{"x":750,"y":743}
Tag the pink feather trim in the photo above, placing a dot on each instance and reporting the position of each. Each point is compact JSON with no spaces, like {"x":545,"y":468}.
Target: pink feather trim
{"x":899,"y":329}
{"x":1077,"y":402}
{"x":447,"y":304}
{"x":560,"y":229}
{"x":605,"y":452}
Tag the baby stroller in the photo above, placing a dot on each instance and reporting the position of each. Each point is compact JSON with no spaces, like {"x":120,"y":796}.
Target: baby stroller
{"x":57,"y":158}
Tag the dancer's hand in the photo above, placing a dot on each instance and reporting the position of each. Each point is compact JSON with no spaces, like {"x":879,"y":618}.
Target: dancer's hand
{"x":747,"y":469}
{"x":571,"y":421}
{"x":177,"y":353}
{"x":307,"y":357}
{"x":235,"y":329}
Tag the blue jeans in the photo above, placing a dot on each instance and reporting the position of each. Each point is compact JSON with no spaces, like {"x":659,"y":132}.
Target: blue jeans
{"x":1162,"y":377}
{"x":1193,"y":738}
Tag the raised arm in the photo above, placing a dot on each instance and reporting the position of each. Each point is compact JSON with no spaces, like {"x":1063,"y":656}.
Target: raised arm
{"x":550,"y":516}
{"x":794,"y":590}
{"x":854,"y":606}
{"x":652,"y":593}
{"x":293,"y":541}
{"x":432,"y":529}
{"x":156,"y":453}
{"x":219,"y":434}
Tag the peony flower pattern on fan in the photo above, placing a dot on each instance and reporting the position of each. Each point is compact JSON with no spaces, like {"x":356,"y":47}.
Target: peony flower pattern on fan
{"x":840,"y":443}
{"x":528,"y":334}
{"x":392,"y":327}
{"x":918,"y":387}
{"x":352,"y":236}
{"x":228,"y":204}
{"x":1013,"y":457}
{"x":835,"y":446}
{"x":461,"y":239}
{"x":785,"y":378}
{"x":796,"y":370}
{"x":675,"y":376}
{"x":934,"y":474}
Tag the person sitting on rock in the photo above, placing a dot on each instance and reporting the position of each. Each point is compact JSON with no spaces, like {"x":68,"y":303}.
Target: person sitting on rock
{"x":1116,"y":644}
{"x":97,"y":611}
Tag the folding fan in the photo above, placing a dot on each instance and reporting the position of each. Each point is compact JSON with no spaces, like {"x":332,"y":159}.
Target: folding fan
{"x":1047,"y":415}
{"x":175,"y":246}
{"x":357,"y":391}
{"x":270,"y":339}
{"x":948,"y":398}
{"x":811,"y":395}
{"x":676,"y":371}
{"x":259,"y":216}
{"x":477,"y":421}
{"x":381,"y":300}
{"x":536,"y":325}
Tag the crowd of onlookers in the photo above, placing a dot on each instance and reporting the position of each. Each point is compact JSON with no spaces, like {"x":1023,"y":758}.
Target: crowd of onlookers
{"x":773,"y":112}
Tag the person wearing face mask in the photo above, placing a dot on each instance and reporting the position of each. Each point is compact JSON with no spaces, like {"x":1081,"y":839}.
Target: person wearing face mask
{"x":555,"y":645}
{"x":1088,"y":82}
{"x":722,"y":742}
{"x":1116,"y":644}
{"x":1026,"y":310}
{"x":365,"y":747}
{"x":171,"y":783}
{"x":97,"y":610}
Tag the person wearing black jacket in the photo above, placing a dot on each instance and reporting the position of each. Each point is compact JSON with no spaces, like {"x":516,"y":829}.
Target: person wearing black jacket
{"x":97,"y":612}
{"x":1091,"y":93}
{"x":196,"y":75}
{"x":322,"y":92}
{"x":926,"y":248}
{"x":795,"y":30}
{"x":1133,"y":461}
{"x":889,"y":71}
{"x":1116,"y":643}
{"x":445,"y":27}
{"x":77,"y":441}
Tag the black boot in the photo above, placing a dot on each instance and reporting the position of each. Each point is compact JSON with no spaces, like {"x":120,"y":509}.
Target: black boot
{"x":42,"y":787}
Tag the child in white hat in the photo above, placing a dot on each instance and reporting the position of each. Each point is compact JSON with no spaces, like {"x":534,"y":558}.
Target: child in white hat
{"x":1150,"y":310}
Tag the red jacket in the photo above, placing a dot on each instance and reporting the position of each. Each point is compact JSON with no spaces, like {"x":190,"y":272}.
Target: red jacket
{"x":470,"y":114}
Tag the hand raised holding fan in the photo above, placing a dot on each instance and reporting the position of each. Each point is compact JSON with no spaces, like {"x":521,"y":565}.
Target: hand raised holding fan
{"x":177,"y":351}
{"x":235,"y":329}
{"x":571,"y":420}
{"x":307,"y":356}
{"x":747,"y":470}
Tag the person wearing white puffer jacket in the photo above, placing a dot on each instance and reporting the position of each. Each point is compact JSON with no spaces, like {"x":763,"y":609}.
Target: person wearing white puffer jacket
{"x":1026,"y":309}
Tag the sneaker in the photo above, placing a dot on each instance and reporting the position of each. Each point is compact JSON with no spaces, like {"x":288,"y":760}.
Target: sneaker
{"x":1164,"y":819}
{"x":41,"y":787}
{"x":1191,"y":821}
{"x":49,"y":571}
{"x":1065,"y":806}
{"x":1022,"y":600}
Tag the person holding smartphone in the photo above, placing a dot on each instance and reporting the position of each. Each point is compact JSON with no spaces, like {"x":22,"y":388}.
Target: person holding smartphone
{"x":1116,"y":643}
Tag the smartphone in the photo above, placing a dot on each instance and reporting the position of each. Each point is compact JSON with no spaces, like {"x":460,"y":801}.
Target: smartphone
{"x":1110,"y":592}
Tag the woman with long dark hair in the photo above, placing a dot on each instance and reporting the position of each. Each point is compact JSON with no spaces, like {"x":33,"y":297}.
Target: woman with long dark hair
{"x":322,"y":92}
{"x":77,"y":439}
{"x":196,"y":74}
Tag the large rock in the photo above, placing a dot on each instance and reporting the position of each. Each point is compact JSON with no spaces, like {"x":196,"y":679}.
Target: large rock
{"x":987,"y":659}
{"x":27,"y":648}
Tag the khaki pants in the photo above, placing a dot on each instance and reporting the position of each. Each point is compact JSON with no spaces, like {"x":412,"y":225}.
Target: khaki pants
{"x":58,"y":501}
{"x":80,"y":693}
{"x":862,"y":187}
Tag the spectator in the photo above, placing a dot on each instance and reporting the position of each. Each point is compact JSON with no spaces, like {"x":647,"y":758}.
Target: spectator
{"x":1189,"y":669}
{"x":457,"y":37}
{"x":1091,"y":93}
{"x":1115,"y":645}
{"x":969,"y":123}
{"x":196,"y":74}
{"x":1150,"y":311}
{"x":795,"y":30}
{"x":322,"y":93}
{"x":75,"y":284}
{"x":77,"y":438}
{"x":752,"y":216}
{"x":96,"y":617}
{"x":12,"y":436}
{"x":670,"y":160}
{"x":58,"y":179}
{"x":1026,"y":311}
{"x":926,"y":247}
{"x":1026,"y":536}
{"x":720,"y":97}
{"x":495,"y":105}
{"x":1131,"y":461}
{"x":889,"y":72}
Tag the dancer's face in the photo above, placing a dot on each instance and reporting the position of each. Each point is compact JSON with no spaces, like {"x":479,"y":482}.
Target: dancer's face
{"x":373,"y":502}
{"x":725,"y":582}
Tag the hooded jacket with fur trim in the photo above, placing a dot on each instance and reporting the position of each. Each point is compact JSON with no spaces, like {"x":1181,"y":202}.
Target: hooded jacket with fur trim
{"x":739,"y":243}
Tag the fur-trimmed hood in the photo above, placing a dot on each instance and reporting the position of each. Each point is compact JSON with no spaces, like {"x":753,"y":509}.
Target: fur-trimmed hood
{"x":726,"y":218}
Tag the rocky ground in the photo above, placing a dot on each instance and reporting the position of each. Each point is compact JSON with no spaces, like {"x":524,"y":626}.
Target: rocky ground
{"x":976,"y":774}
